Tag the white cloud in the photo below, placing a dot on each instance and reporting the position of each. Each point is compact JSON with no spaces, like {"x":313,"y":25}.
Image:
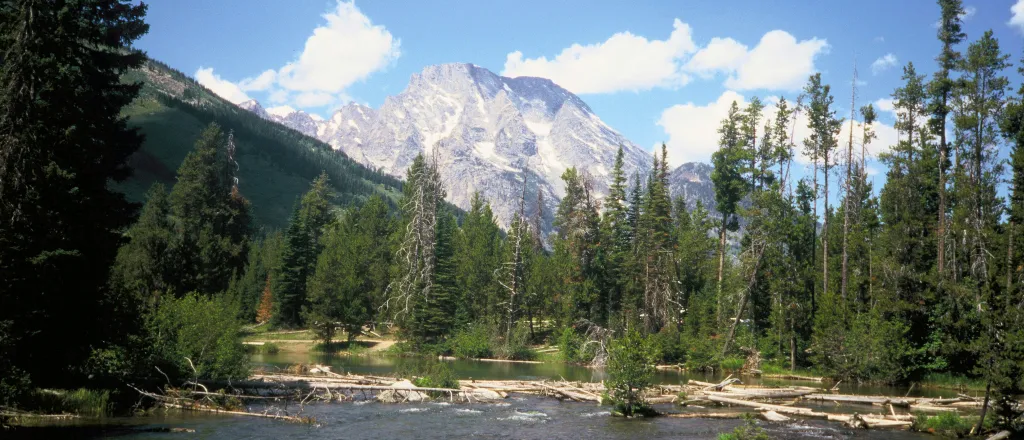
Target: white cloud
{"x":623,"y":62}
{"x":886,"y":105}
{"x":720,"y":55}
{"x":883,"y":63}
{"x":313,"y":99}
{"x":879,"y":39}
{"x":778,"y":62}
{"x":346,"y":49}
{"x":260,"y":82}
{"x":693,"y":130}
{"x":222,"y":87}
{"x":1017,"y":15}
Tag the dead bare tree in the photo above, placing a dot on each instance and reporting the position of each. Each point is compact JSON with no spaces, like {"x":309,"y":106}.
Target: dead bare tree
{"x":754,"y":253}
{"x":416,"y":252}
{"x":511,"y":274}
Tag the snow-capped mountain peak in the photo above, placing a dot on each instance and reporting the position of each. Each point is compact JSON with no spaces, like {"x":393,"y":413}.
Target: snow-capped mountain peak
{"x":488,"y":132}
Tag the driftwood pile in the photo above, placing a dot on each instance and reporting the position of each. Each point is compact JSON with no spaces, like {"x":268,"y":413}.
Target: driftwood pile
{"x":776,"y":404}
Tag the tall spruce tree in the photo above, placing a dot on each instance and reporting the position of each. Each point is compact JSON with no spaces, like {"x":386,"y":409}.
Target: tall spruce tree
{"x":730,"y":186}
{"x":63,"y":139}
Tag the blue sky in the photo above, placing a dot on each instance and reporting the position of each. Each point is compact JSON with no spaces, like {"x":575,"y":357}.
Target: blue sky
{"x":655,"y":71}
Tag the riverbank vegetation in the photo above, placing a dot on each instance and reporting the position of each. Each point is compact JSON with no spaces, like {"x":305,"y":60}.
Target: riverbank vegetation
{"x":919,"y":278}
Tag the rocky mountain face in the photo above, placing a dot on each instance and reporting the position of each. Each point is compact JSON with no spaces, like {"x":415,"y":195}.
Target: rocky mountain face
{"x":489,"y":134}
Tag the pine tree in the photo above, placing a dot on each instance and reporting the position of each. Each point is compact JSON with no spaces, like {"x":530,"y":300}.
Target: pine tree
{"x":416,"y":255}
{"x":824,"y":129}
{"x":940,"y":91}
{"x":478,"y":256}
{"x":433,"y":315}
{"x":290,"y":287}
{"x":730,"y":186}
{"x":140,"y":270}
{"x":210,"y":218}
{"x":63,"y":140}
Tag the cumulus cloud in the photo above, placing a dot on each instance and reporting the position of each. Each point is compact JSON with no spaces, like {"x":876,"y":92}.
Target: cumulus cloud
{"x":348,"y":48}
{"x":1017,"y":15}
{"x":623,"y":62}
{"x":885,"y":105}
{"x":778,"y":62}
{"x":222,"y":87}
{"x":260,"y":82}
{"x":720,"y":55}
{"x":692,"y":129}
{"x":883,"y":63}
{"x":345,"y":49}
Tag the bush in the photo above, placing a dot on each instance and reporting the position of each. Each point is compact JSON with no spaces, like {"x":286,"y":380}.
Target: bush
{"x":518,"y":347}
{"x":732,"y":363}
{"x":428,"y":373}
{"x":473,"y":342}
{"x":703,"y":353}
{"x":749,"y":431}
{"x":947,"y":424}
{"x":82,"y":402}
{"x":630,"y":372}
{"x":670,"y":345}
{"x":197,"y":336}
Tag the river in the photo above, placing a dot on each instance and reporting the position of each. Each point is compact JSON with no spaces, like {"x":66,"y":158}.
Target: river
{"x":519,"y":417}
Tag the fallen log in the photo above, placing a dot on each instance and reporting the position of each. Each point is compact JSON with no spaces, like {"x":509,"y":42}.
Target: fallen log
{"x":792,"y":377}
{"x":806,"y":412}
{"x":239,"y":413}
{"x":867,"y":400}
{"x":705,"y":415}
{"x":508,"y":360}
{"x":1001,"y":435}
{"x":767,"y":393}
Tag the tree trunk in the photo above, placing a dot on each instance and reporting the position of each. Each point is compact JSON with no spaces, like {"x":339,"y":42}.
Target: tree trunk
{"x":984,"y":408}
{"x":1009,"y":260}
{"x":814,"y":242}
{"x":941,"y":230}
{"x":824,"y":233}
{"x":721,"y":263}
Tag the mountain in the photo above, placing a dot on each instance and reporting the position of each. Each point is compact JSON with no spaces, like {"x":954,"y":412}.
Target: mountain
{"x":488,"y":133}
{"x":692,"y":182}
{"x":276,"y":164}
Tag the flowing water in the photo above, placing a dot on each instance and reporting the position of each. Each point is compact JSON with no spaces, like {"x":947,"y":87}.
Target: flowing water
{"x":519,"y":416}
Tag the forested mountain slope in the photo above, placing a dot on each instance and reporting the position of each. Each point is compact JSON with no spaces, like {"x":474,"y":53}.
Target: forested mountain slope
{"x":275,"y":164}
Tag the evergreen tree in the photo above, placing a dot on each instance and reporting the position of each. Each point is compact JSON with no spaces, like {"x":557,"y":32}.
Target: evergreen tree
{"x":730,"y":186}
{"x":433,"y":316}
{"x":210,"y":218}
{"x":478,"y":257}
{"x":63,"y":140}
{"x":824,"y":128}
{"x":290,"y":286}
{"x":940,"y":91}
{"x":140,"y":269}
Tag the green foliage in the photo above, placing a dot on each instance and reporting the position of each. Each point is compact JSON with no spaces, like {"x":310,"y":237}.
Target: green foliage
{"x":472,"y":342}
{"x":630,"y":372}
{"x":197,"y":337}
{"x":428,"y":373}
{"x":946,"y":424}
{"x":518,"y":346}
{"x":82,"y":402}
{"x":63,"y":144}
{"x":570,"y":346}
{"x":748,"y":431}
{"x":670,"y":345}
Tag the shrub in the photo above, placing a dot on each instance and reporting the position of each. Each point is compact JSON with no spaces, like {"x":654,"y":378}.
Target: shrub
{"x":732,"y":363}
{"x":197,"y":336}
{"x":947,"y":424}
{"x":631,"y":371}
{"x":82,"y":402}
{"x":703,"y":352}
{"x":472,"y":342}
{"x":518,"y":346}
{"x":669,"y":344}
{"x":748,"y":431}
{"x":428,"y":373}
